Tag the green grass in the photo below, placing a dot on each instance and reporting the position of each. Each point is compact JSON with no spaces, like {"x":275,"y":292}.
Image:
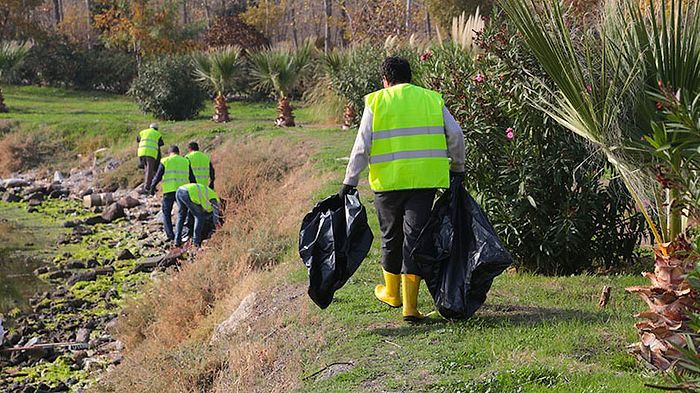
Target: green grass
{"x":534,"y":334}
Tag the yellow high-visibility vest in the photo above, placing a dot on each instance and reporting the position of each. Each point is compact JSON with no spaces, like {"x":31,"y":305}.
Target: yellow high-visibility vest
{"x":177,"y":172}
{"x":200,"y":166}
{"x":148,"y":143}
{"x":409,"y":147}
{"x":201,"y":195}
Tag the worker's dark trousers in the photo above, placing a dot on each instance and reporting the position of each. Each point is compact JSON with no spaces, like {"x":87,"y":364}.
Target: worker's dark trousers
{"x":402,"y":215}
{"x":150,"y":165}
{"x":167,"y":209}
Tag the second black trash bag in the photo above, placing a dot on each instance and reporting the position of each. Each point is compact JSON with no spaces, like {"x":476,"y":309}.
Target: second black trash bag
{"x":459,"y":254}
{"x":333,"y":241}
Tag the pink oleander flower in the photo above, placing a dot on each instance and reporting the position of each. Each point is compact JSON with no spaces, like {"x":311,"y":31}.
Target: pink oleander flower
{"x":478,"y":78}
{"x":510,"y":133}
{"x":589,"y":88}
{"x":425,"y":56}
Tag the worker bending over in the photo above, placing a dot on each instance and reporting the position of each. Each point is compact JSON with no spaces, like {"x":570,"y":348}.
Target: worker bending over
{"x":203,"y":203}
{"x":149,"y":141}
{"x":201,"y":165}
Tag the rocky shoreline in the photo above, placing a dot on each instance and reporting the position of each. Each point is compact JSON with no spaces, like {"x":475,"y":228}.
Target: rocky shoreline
{"x":107,"y":253}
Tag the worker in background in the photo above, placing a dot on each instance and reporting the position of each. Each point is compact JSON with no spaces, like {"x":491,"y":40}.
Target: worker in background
{"x":149,"y":141}
{"x":175,"y":171}
{"x":201,"y":165}
{"x":203,"y":203}
{"x":413,"y":146}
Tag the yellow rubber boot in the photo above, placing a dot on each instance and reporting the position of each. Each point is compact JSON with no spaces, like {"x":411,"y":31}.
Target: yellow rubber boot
{"x":389,"y":292}
{"x":411,"y":283}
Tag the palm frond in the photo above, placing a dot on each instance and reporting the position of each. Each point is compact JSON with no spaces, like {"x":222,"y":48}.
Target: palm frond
{"x":218,"y":68}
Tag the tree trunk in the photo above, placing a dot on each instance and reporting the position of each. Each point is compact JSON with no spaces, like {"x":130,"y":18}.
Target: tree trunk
{"x":207,"y":12}
{"x":220,"y":109}
{"x":348,"y":115}
{"x":89,"y":23}
{"x":57,"y":11}
{"x":285,"y":116}
{"x":408,"y":15}
{"x":185,"y":15}
{"x":328,"y":6}
{"x":670,"y":300}
{"x":344,"y":25}
{"x":3,"y":108}
{"x":294,"y":27}
{"x":428,"y":28}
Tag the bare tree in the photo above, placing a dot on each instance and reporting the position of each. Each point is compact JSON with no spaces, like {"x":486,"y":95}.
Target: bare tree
{"x":328,"y":6}
{"x":57,"y":11}
{"x":408,"y":15}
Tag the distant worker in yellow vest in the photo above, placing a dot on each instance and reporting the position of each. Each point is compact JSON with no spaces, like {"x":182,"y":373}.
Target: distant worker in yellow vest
{"x":201,"y":165}
{"x":413,"y":146}
{"x":149,"y":141}
{"x":203,"y":203}
{"x":174,"y":170}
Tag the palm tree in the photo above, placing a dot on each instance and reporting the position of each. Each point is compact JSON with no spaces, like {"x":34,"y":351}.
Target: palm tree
{"x":217,"y":70}
{"x":608,"y":86}
{"x":11,"y":54}
{"x":281,"y":69}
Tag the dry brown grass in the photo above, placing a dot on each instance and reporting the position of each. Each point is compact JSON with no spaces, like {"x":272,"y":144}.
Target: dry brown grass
{"x":167,"y":331}
{"x":21,"y":151}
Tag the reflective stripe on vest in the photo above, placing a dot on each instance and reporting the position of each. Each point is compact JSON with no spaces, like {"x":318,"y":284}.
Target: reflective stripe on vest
{"x":201,"y":195}
{"x":177,"y":172}
{"x":409,"y":147}
{"x":148,"y":143}
{"x":200,"y":166}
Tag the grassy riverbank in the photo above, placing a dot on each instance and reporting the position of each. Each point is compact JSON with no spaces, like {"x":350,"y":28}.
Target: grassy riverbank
{"x":535,"y":334}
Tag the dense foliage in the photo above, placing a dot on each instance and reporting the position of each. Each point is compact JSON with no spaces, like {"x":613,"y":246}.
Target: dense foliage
{"x":166,"y":88}
{"x":558,"y":207}
{"x":59,"y":62}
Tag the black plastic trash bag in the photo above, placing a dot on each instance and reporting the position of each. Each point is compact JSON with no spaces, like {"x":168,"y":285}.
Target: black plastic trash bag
{"x":459,"y":254}
{"x":333,"y":240}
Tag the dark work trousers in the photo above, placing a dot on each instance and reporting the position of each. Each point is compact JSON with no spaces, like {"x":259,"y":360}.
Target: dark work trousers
{"x":167,"y":207}
{"x":150,"y":165}
{"x":402,"y":215}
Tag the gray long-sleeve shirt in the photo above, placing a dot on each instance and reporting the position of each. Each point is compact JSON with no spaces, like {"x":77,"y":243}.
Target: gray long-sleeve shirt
{"x":359,"y":157}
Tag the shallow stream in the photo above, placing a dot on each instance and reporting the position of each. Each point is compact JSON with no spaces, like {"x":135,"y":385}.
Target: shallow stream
{"x":27,"y":241}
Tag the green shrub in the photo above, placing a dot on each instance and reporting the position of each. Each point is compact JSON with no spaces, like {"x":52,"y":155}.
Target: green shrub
{"x":558,"y":206}
{"x":166,"y":88}
{"x":50,"y":62}
{"x":106,"y":70}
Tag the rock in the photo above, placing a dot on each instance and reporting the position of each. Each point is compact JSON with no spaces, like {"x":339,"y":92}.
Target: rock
{"x":125,"y":254}
{"x":32,"y":209}
{"x":143,"y":216}
{"x":82,"y":335}
{"x":11,"y":197}
{"x":229,"y":326}
{"x":94,"y":220}
{"x":72,"y":223}
{"x":335,"y":369}
{"x":83,"y":276}
{"x":92,"y":262}
{"x":41,"y":270}
{"x":128,"y":202}
{"x":103,"y":271}
{"x":93,"y":200}
{"x":76,"y":265}
{"x":114,"y":212}
{"x":81,"y":230}
{"x":78,"y":357}
{"x":58,"y":274}
{"x":161,"y":262}
{"x":84,"y":193}
{"x":15,"y":183}
{"x":35,"y":201}
{"x":58,"y":177}
{"x":57,"y":194}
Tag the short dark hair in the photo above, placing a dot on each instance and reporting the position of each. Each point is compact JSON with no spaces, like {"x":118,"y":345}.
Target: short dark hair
{"x":194,"y":146}
{"x":174,"y":149}
{"x":396,"y":70}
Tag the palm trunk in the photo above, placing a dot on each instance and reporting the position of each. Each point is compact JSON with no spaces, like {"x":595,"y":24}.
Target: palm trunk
{"x":3,"y":108}
{"x":348,"y":115}
{"x":285,"y":116}
{"x":670,"y":300}
{"x":220,"y":109}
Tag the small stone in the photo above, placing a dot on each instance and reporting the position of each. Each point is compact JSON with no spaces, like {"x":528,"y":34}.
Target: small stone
{"x":128,"y":202}
{"x":125,"y":254}
{"x":58,"y":274}
{"x":83,"y":276}
{"x":71,"y":223}
{"x":82,"y":335}
{"x":11,"y":197}
{"x":76,"y":265}
{"x":94,"y":220}
{"x":114,"y":212}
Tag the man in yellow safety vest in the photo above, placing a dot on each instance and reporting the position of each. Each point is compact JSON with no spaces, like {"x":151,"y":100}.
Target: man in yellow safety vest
{"x":201,"y":165}
{"x":175,"y":171}
{"x":412,"y":146}
{"x":149,"y":141}
{"x":200,"y":201}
